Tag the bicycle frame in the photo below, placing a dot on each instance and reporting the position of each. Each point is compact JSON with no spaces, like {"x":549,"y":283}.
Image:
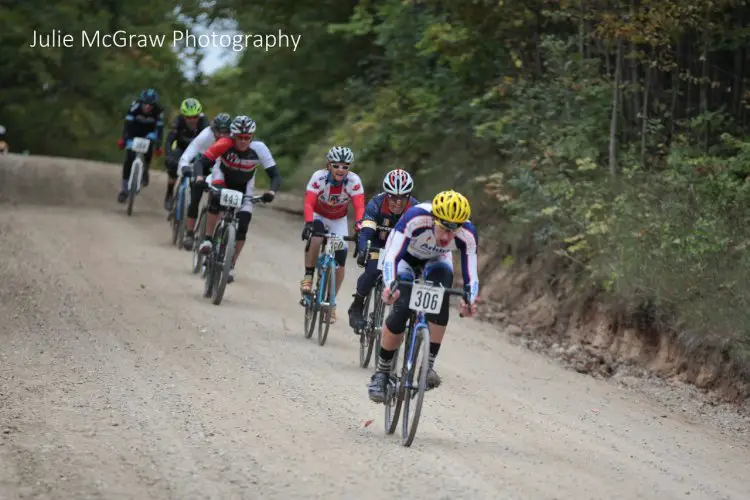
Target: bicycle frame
{"x":182,"y":191}
{"x":136,"y":166}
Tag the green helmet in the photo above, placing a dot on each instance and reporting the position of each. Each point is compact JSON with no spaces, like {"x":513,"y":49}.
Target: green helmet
{"x":190,"y":107}
{"x":221,"y":123}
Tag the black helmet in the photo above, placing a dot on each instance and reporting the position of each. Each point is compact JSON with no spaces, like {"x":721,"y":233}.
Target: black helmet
{"x":221,"y":123}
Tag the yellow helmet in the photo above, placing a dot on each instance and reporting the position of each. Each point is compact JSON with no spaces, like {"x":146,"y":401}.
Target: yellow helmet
{"x":451,"y":207}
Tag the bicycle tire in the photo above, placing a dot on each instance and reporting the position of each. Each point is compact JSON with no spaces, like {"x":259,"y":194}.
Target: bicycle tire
{"x":209,"y":276}
{"x":365,"y":337}
{"x":421,"y":343}
{"x":198,"y":258}
{"x":393,"y":397}
{"x":174,"y":223}
{"x":312,"y":308}
{"x":133,"y":183}
{"x":226,"y":251}
{"x":377,"y":321}
{"x":324,"y":323}
{"x":184,"y":202}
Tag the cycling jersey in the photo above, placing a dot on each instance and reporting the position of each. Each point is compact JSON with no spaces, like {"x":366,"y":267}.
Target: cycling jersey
{"x":412,"y":241}
{"x":235,"y":168}
{"x":331,"y":200}
{"x":197,"y":146}
{"x":377,"y":213}
{"x":138,"y":123}
{"x":182,"y":133}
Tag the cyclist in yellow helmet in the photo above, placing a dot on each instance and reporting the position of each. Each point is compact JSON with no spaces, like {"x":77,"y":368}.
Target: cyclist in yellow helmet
{"x":422,"y":242}
{"x":184,"y":128}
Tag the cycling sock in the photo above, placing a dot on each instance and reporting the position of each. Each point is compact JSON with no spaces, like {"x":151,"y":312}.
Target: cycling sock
{"x":384,"y":360}
{"x":434,"y":348}
{"x":170,"y":190}
{"x":309,"y":271}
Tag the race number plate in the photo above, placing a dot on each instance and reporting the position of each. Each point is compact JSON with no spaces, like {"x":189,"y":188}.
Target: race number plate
{"x":336,"y":244}
{"x":230,"y":198}
{"x":140,"y":144}
{"x":381,"y":260}
{"x":426,"y":299}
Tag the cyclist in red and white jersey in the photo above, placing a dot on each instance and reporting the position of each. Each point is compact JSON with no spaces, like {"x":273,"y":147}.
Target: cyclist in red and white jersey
{"x":329,"y":192}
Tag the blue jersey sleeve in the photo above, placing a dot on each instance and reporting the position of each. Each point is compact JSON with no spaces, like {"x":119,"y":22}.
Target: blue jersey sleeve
{"x":369,"y":223}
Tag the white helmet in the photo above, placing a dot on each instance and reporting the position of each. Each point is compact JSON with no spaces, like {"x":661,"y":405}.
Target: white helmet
{"x":340,"y":154}
{"x":242,"y":125}
{"x":398,"y":182}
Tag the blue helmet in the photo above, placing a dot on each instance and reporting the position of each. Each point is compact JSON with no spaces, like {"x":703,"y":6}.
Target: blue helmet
{"x":149,"y":96}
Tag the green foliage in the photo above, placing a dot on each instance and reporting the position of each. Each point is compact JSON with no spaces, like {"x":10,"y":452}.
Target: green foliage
{"x":511,"y":102}
{"x":71,"y":101}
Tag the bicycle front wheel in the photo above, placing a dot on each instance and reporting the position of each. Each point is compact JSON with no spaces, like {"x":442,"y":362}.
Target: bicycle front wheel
{"x":198,"y":258}
{"x":365,"y":336}
{"x":224,"y":262}
{"x":414,"y":392}
{"x":329,"y":296}
{"x":184,"y":202}
{"x":134,"y":183}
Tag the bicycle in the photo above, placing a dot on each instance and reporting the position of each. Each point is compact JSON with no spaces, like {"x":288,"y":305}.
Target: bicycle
{"x":426,"y":298}
{"x":325,"y":295}
{"x":140,"y":146}
{"x":222,"y":252}
{"x":369,"y":335}
{"x":178,"y":213}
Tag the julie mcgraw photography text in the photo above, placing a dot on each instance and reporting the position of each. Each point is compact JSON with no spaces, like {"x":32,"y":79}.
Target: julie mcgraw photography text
{"x":178,"y":38}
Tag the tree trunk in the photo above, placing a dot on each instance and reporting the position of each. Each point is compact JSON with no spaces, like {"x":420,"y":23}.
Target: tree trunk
{"x":644,"y":113}
{"x":613,"y":167}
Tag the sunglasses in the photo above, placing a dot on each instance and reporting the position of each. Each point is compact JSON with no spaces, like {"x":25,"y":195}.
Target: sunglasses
{"x":449,"y":226}
{"x":191,"y":117}
{"x":244,"y":137}
{"x":339,"y":167}
{"x":397,"y":197}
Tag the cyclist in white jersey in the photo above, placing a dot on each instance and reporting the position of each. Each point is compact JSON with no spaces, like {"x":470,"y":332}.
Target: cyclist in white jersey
{"x":219,"y":128}
{"x":424,"y":240}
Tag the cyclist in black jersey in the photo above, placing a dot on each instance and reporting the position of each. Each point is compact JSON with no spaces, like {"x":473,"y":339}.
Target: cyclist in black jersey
{"x":184,"y":128}
{"x":145,"y":118}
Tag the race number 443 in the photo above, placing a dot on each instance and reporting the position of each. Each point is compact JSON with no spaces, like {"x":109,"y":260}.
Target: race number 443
{"x":230,"y":198}
{"x":426,"y":299}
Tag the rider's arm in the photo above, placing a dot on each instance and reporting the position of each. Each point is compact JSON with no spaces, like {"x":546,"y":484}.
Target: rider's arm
{"x":197,"y":145}
{"x":269,"y":164}
{"x":357,"y":194}
{"x":172,"y":135}
{"x":467,"y":242}
{"x":369,"y":224}
{"x":129,"y":119}
{"x":206,"y":160}
{"x":314,"y":186}
{"x":275,"y":176}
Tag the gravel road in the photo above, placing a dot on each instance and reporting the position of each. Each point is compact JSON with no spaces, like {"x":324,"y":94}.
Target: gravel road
{"x":118,"y":380}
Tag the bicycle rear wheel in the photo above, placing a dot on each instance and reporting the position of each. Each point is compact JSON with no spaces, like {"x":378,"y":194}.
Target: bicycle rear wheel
{"x":224,"y":262}
{"x":329,"y":296}
{"x":414,"y":394}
